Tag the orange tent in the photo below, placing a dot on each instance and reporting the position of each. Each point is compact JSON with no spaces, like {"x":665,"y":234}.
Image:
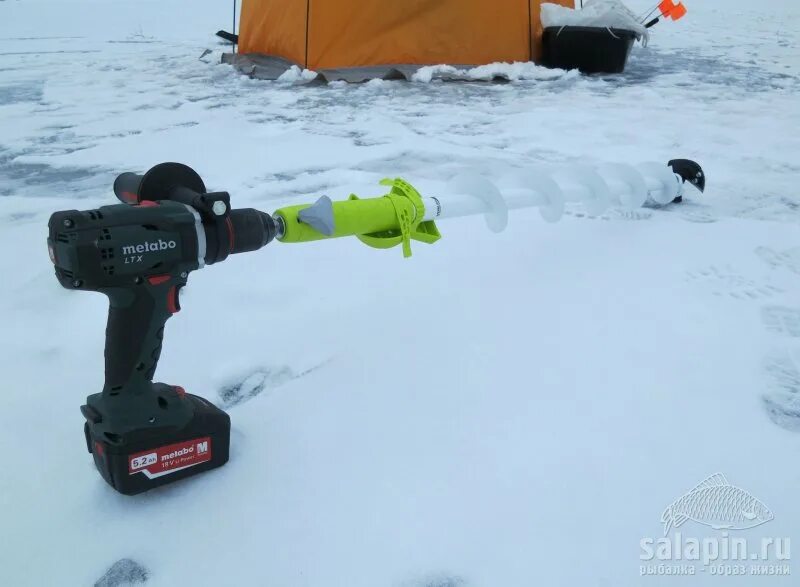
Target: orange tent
{"x":362,"y":39}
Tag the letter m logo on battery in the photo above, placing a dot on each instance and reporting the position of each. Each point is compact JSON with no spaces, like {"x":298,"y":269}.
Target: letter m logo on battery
{"x":202,"y":447}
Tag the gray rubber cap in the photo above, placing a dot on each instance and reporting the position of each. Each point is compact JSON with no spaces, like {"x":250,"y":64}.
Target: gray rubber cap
{"x":319,"y":216}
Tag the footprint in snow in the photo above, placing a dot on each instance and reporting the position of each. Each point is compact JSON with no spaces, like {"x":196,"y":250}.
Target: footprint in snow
{"x":445,"y":582}
{"x":258,"y":381}
{"x":782,"y":320}
{"x":725,"y":282}
{"x":782,"y":397}
{"x":436,"y":580}
{"x":788,"y":259}
{"x":613,"y":214}
{"x":640,"y":214}
{"x":123,"y":573}
{"x":698,"y":216}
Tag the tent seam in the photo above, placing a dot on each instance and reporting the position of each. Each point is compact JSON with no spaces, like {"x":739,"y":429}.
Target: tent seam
{"x":308,"y":15}
{"x":530,"y":32}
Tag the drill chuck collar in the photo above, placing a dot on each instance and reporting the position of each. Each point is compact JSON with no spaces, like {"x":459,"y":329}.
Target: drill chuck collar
{"x":140,"y":253}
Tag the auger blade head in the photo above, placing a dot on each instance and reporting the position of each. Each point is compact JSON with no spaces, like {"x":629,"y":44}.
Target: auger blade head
{"x":689,"y":171}
{"x":319,"y":216}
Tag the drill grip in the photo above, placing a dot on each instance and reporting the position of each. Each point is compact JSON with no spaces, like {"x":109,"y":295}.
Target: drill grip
{"x":126,"y":187}
{"x":135,"y":329}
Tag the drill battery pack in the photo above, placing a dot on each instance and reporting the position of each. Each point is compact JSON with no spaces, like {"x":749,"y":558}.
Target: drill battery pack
{"x":147,"y":457}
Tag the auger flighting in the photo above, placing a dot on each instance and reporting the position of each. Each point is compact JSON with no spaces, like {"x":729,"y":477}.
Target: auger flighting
{"x":404,"y":214}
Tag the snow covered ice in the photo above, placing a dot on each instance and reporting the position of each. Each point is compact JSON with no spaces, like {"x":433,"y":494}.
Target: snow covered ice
{"x":568,"y":381}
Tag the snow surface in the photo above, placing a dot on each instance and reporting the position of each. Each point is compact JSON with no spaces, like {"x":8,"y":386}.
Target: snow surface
{"x":499,"y":410}
{"x":516,"y":71}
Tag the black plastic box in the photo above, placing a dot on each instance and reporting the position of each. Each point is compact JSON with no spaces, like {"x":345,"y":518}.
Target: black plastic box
{"x":589,"y":49}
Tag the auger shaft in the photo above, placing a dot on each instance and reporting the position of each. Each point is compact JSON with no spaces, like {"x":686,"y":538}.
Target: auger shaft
{"x":404,"y":214}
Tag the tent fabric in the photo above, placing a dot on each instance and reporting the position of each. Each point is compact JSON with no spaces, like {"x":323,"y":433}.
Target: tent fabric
{"x":422,"y":32}
{"x":363,"y":39}
{"x":274,"y":27}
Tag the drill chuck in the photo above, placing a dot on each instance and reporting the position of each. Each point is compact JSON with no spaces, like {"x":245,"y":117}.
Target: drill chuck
{"x":251,"y":229}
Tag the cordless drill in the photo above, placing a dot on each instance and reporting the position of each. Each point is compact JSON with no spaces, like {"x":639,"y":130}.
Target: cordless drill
{"x":140,"y":253}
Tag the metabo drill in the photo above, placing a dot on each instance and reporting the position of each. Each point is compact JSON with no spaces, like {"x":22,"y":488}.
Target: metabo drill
{"x":140,"y":253}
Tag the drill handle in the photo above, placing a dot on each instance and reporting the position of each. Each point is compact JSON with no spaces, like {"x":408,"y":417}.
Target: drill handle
{"x":135,"y":330}
{"x":126,"y":187}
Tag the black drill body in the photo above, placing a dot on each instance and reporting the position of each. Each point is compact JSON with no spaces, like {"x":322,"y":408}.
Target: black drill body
{"x":144,"y":434}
